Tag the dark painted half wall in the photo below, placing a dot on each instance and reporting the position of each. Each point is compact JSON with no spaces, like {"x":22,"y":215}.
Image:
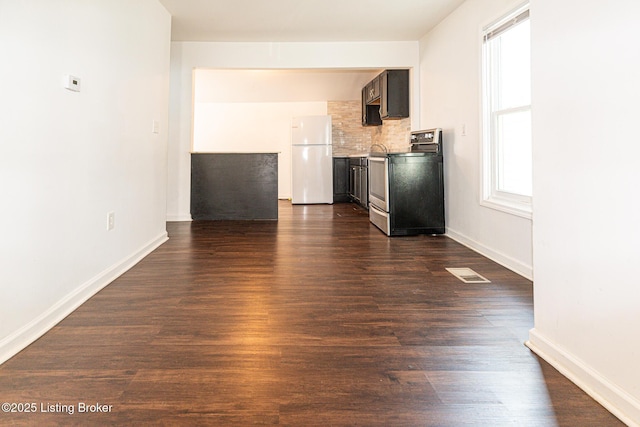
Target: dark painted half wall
{"x":234,"y":186}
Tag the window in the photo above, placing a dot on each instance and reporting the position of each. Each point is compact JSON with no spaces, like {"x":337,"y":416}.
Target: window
{"x":507,"y":157}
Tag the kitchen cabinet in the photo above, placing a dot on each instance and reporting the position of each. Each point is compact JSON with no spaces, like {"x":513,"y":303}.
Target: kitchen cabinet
{"x":341,"y":179}
{"x":373,"y":90}
{"x":358,"y":180}
{"x":370,"y":112}
{"x":394,"y":98}
{"x":386,"y":97}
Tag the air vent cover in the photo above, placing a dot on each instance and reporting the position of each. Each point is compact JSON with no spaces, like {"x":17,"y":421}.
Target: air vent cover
{"x":467,"y":275}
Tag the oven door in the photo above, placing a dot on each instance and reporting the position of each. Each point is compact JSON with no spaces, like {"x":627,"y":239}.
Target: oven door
{"x":379,"y":183}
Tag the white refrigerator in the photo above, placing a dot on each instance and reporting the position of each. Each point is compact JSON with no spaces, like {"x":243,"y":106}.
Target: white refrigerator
{"x":312,"y":160}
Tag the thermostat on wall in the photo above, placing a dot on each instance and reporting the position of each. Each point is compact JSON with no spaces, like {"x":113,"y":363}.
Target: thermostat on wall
{"x":72,"y":83}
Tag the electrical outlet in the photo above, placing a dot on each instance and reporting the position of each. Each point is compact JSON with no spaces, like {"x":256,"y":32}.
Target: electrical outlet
{"x":111,"y":221}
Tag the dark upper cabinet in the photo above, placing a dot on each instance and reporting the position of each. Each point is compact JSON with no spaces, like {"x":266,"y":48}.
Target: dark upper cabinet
{"x":373,"y":90}
{"x":370,"y":112}
{"x":394,"y":98}
{"x":386,"y":97}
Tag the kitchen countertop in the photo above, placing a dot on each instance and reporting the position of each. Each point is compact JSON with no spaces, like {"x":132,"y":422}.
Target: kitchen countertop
{"x":404,"y":153}
{"x":383,"y":154}
{"x":236,"y":152}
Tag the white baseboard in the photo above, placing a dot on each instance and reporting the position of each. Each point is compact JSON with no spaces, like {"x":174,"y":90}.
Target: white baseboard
{"x":614,"y":399}
{"x":179,"y":218}
{"x":20,"y":339}
{"x":502,"y":259}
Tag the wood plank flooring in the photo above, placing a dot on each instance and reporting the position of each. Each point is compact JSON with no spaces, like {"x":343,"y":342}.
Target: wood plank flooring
{"x":316,"y":319}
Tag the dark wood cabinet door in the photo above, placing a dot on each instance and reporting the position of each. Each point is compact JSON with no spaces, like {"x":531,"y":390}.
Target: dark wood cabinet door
{"x":394,"y":98}
{"x":340,"y":179}
{"x":373,"y":90}
{"x":386,"y":97}
{"x":370,"y":113}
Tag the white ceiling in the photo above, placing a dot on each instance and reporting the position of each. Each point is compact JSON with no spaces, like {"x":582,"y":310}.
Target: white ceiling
{"x":305,"y":20}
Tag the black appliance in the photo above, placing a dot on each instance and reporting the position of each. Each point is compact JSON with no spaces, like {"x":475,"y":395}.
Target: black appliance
{"x":406,"y":190}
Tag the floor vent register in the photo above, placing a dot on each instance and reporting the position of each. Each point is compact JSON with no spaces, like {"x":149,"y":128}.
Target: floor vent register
{"x":467,"y":275}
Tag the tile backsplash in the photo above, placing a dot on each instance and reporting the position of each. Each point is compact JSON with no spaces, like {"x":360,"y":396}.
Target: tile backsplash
{"x":350,"y":137}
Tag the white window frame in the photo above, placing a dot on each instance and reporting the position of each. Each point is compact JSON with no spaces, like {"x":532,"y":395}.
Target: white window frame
{"x":490,"y":195}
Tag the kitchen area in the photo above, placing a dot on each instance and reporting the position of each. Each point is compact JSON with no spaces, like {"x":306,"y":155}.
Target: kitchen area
{"x":368,"y":142}
{"x":398,"y":177}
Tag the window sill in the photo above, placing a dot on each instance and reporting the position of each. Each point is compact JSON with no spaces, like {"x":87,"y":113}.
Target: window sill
{"x":520,"y":209}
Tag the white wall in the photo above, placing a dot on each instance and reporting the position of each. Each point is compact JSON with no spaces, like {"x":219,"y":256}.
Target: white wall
{"x":586,"y":64}
{"x":67,"y":158}
{"x":223,"y":128}
{"x":251,"y":110}
{"x":300,"y":85}
{"x":450,"y":62}
{"x":186,"y":56}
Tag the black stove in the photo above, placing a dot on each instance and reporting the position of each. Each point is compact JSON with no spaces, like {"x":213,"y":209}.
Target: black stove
{"x":406,"y":189}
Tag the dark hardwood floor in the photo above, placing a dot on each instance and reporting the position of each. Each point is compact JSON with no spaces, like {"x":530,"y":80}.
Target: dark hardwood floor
{"x":316,"y":319}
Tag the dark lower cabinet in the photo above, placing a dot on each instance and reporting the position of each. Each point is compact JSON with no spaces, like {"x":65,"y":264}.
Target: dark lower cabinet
{"x":341,"y":180}
{"x":359,"y":181}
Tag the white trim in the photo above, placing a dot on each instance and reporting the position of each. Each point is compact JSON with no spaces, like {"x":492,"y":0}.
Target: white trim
{"x":507,"y":206}
{"x":609,"y":395}
{"x":509,"y":22}
{"x":490,"y":196}
{"x":20,"y":339}
{"x":179,"y":218}
{"x":512,"y":264}
{"x":509,"y":13}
